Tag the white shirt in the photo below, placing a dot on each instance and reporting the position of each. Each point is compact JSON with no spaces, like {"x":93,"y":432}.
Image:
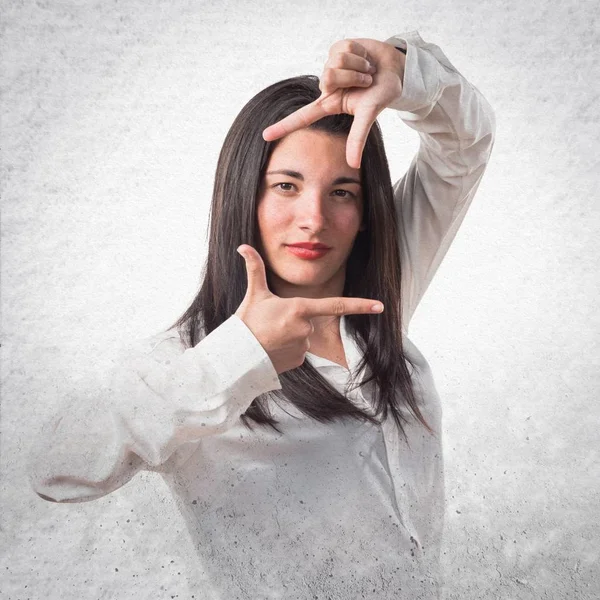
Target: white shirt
{"x":344,"y":510}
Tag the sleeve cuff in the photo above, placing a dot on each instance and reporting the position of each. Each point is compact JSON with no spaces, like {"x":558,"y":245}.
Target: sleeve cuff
{"x":239,"y":359}
{"x":423,"y":81}
{"x":250,"y":347}
{"x":229,"y":363}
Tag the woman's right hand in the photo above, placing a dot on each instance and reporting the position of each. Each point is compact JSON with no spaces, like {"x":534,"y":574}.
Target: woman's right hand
{"x":283,"y":325}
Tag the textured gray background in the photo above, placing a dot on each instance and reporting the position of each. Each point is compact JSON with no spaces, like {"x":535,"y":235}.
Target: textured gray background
{"x":113,"y":115}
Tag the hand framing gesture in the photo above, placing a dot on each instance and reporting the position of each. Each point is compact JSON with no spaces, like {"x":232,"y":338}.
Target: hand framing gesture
{"x":345,"y":89}
{"x":283,"y":325}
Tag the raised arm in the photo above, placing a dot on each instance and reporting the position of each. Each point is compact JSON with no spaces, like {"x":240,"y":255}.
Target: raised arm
{"x":162,"y":398}
{"x":456,"y":126}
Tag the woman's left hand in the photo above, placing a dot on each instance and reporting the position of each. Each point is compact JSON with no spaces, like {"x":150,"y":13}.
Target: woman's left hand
{"x":343,"y":90}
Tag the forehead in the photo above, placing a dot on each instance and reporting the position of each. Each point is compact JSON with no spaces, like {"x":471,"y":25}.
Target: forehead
{"x":312,"y":149}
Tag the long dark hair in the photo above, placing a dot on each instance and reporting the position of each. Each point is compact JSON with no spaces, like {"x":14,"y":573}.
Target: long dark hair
{"x":372,"y":271}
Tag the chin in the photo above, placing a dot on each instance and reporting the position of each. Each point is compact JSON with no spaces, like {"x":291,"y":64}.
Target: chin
{"x":305,"y":277}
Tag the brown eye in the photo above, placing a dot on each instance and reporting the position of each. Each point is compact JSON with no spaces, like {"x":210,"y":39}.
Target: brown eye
{"x":348,"y":194}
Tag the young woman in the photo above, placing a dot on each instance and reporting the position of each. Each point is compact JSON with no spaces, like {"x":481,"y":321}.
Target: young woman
{"x":297,"y":426}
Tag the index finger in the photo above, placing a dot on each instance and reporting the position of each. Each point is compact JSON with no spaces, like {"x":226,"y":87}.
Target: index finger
{"x":321,"y":307}
{"x":303,"y":117}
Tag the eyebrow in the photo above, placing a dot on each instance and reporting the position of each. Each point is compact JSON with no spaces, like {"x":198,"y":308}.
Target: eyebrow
{"x":297,"y":175}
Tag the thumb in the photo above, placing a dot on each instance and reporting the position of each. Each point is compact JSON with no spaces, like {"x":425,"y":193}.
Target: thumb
{"x":357,"y":138}
{"x":255,"y":270}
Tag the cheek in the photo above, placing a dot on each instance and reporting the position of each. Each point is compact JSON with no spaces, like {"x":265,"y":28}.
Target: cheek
{"x":271,"y":222}
{"x":349,"y":222}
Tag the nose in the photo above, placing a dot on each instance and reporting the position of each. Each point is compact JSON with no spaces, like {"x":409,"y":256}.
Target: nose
{"x":312,"y":208}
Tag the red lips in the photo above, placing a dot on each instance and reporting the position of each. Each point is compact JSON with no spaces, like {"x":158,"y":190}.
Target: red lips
{"x":310,"y":246}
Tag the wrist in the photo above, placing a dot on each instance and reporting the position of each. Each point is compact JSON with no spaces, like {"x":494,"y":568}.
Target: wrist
{"x":398,"y":58}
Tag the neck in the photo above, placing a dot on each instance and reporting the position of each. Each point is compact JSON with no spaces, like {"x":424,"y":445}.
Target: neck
{"x":326,"y":327}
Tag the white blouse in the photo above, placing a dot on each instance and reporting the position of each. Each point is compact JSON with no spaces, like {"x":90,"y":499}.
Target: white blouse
{"x":345,"y":510}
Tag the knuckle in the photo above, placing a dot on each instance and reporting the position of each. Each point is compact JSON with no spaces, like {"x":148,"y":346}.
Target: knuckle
{"x":327,"y":78}
{"x":347,"y":45}
{"x":338,"y":307}
{"x":296,"y":307}
{"x":307,"y":329}
{"x":336,"y":60}
{"x":338,"y":46}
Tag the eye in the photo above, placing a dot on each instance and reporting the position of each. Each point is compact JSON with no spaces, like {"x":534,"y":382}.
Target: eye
{"x":348,"y":193}
{"x":284,"y":183}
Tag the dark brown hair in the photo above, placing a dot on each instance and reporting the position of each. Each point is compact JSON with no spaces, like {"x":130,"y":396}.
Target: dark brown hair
{"x":372,"y":271}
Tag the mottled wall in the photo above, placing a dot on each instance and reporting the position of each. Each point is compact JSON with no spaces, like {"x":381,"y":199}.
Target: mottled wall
{"x":113,"y":114}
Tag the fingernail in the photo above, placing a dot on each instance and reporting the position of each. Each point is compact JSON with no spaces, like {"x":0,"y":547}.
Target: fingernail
{"x":377,"y":308}
{"x":241,"y":252}
{"x":365,"y":77}
{"x":372,"y":69}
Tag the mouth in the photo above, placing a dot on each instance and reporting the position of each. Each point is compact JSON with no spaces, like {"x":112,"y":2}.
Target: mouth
{"x":310,"y":245}
{"x":308,"y":251}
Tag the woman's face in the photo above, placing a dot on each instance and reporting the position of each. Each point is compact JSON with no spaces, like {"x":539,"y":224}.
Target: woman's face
{"x":317,"y":199}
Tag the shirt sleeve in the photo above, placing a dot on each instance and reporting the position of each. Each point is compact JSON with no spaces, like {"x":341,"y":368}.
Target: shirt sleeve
{"x":456,"y":126}
{"x":161,"y":399}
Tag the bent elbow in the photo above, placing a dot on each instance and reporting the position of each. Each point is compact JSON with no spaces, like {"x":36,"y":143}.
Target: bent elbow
{"x":63,"y":489}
